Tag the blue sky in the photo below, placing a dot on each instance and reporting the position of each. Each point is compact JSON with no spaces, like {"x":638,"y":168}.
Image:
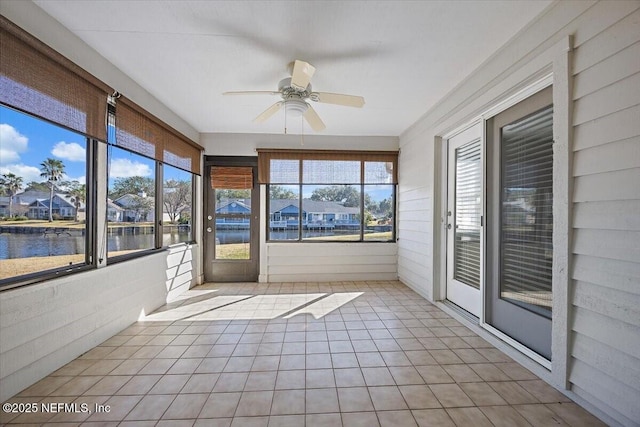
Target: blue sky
{"x":25,"y":142}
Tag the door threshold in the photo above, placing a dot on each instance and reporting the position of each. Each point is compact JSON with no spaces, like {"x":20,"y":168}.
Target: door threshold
{"x":462,"y":312}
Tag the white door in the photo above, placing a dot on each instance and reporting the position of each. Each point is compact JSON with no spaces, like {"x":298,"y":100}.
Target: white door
{"x":464,"y":220}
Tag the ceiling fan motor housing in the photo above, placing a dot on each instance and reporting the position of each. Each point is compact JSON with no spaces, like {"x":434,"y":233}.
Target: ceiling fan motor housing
{"x":288,"y":91}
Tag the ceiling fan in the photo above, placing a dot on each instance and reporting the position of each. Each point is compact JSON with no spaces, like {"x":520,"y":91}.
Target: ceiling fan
{"x":295,"y":91}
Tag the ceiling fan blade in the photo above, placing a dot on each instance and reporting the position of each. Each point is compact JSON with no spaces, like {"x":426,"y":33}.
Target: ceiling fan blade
{"x":314,"y":120}
{"x":338,"y":99}
{"x":266,"y":114}
{"x":302,"y":73}
{"x":252,"y":92}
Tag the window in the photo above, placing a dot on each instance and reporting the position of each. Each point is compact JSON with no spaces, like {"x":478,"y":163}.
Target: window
{"x":177,"y":206}
{"x":43,"y":196}
{"x":321,"y":196}
{"x":131,"y":203}
{"x":53,"y":116}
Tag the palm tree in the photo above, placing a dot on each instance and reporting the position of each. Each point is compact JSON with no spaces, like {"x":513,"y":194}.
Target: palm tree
{"x":78,"y":195}
{"x":10,"y":183}
{"x":53,"y":171}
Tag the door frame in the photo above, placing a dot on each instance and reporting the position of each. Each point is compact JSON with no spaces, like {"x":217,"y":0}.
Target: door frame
{"x":255,"y":229}
{"x":549,"y":66}
{"x":473,"y":134}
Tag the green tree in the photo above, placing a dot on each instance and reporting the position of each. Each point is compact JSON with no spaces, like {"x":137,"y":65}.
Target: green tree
{"x":135,"y":185}
{"x":346,"y":195}
{"x":385,"y":208}
{"x":78,"y":194}
{"x":53,"y":171}
{"x":9,"y":185}
{"x":232,"y":194}
{"x":37,"y":186}
{"x":279,"y":192}
{"x":176,"y":198}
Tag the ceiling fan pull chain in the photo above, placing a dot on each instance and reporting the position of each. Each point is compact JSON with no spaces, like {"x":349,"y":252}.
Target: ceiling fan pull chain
{"x":302,"y":131}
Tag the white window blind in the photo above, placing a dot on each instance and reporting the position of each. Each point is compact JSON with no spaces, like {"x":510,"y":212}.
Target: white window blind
{"x":526,"y":209}
{"x":468,"y":209}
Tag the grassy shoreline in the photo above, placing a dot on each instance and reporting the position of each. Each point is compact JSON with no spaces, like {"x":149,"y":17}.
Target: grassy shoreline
{"x":21,"y":266}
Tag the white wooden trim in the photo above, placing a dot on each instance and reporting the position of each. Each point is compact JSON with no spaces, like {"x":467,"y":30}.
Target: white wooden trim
{"x":562,"y":213}
{"x":543,"y":82}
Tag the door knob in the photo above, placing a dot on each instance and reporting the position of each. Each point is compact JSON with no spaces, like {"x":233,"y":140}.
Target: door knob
{"x":448,"y":226}
{"x":209,"y":229}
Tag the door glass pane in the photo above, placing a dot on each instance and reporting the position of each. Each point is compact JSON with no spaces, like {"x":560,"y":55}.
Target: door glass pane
{"x":526,"y":211}
{"x":468,"y":210}
{"x":233,"y":223}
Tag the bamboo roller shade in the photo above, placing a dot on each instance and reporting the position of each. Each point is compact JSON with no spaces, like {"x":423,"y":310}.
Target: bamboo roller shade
{"x":232,"y":177}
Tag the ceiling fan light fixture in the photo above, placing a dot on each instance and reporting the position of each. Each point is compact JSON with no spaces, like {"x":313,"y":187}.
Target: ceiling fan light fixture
{"x":295,"y":107}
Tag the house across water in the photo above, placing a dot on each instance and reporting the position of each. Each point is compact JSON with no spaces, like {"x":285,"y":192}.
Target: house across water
{"x":284,"y":214}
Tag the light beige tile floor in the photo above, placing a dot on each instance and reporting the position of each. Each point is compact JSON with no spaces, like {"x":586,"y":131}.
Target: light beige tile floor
{"x":304,"y":354}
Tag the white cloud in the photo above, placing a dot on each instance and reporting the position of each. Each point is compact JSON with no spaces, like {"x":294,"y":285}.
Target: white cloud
{"x":28,"y":173}
{"x":71,"y":151}
{"x":12,"y":143}
{"x":124,"y":168}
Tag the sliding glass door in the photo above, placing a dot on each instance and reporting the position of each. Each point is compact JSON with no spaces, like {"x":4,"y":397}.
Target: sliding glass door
{"x":520,"y":222}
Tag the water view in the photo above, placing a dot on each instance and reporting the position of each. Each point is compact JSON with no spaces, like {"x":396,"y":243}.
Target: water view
{"x":14,"y":245}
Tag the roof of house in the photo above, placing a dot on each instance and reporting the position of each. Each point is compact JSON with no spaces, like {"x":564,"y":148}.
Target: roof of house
{"x":308,"y":205}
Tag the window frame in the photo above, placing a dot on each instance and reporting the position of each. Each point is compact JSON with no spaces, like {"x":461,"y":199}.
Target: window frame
{"x":82,"y":91}
{"x":265,"y":157}
{"x":90,"y":244}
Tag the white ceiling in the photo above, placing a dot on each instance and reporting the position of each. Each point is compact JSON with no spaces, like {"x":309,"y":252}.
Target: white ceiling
{"x":402,"y":57}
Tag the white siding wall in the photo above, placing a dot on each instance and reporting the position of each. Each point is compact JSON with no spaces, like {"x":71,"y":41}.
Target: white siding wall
{"x":605,"y":351}
{"x":47,"y":325}
{"x":604,"y":318}
{"x":319,"y":262}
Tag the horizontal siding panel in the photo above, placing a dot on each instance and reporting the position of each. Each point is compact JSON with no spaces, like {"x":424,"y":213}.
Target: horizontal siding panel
{"x":416,"y":225}
{"x":30,"y":351}
{"x":618,"y":67}
{"x":598,"y":327}
{"x":312,"y":268}
{"x":618,"y":396}
{"x":616,"y":97}
{"x":414,"y":216}
{"x":618,"y":36}
{"x":413,"y":236}
{"x":72,"y":298}
{"x":275,"y":261}
{"x":599,"y":18}
{"x":417,"y":282}
{"x":331,"y":277}
{"x":613,"y":244}
{"x":415,"y":246}
{"x":608,"y":215}
{"x":610,"y":157}
{"x":617,"y":185}
{"x":615,"y":274}
{"x":618,"y":305}
{"x":421,"y":269}
{"x":416,"y":257}
{"x":618,"y":126}
{"x":420,"y":205}
{"x":311,"y":250}
{"x":40,"y":328}
{"x":608,"y":360}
